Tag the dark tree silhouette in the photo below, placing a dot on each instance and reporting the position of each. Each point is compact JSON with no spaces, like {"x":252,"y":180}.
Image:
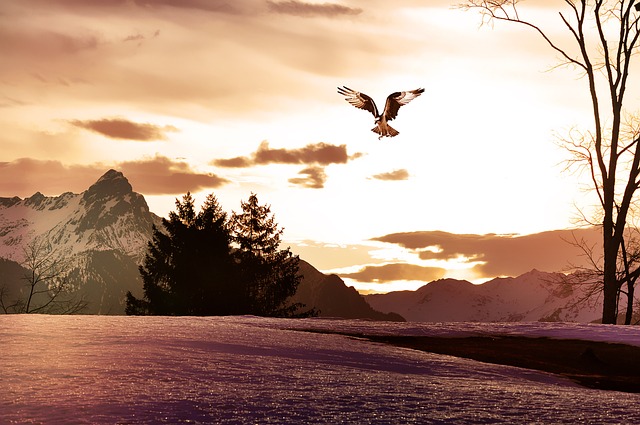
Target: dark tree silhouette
{"x":270,"y":275}
{"x":591,"y":275}
{"x":193,"y":268}
{"x":188,"y":268}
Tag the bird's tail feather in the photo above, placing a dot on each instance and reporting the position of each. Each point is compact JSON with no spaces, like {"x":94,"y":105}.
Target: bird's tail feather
{"x":391,"y":132}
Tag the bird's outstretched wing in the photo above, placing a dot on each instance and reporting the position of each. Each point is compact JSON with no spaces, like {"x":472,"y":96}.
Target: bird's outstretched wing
{"x":396,"y":100}
{"x":359,"y":100}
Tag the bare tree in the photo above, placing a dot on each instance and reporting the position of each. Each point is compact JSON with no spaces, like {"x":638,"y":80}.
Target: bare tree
{"x":590,"y":275}
{"x":6,"y":305}
{"x":603,"y":38}
{"x":47,"y":287}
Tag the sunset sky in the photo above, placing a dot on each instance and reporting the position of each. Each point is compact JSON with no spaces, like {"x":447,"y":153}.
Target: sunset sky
{"x":234,"y":97}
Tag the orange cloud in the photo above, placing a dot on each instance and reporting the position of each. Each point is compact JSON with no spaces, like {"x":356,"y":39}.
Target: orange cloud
{"x":206,"y":5}
{"x":120,"y":128}
{"x":25,"y":176}
{"x":80,"y":3}
{"x":136,"y":37}
{"x":315,"y":177}
{"x":318,"y":153}
{"x":8,"y":102}
{"x":237,"y":162}
{"x":266,"y":47}
{"x":223,"y":6}
{"x":155,"y":176}
{"x":398,"y":271}
{"x":163,"y":176}
{"x":44,"y":44}
{"x":502,"y":255}
{"x":304,"y":9}
{"x":291,"y":7}
{"x":314,"y":155}
{"x":394,"y":175}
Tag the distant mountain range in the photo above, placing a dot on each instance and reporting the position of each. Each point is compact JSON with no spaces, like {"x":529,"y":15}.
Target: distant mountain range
{"x":104,"y":233}
{"x":330,"y":295}
{"x":531,"y":297}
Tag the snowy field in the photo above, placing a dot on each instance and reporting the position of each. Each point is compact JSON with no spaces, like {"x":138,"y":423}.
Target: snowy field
{"x":128,"y":370}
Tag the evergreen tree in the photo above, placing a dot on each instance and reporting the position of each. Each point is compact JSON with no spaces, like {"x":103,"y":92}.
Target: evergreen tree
{"x":269,"y":275}
{"x":188,"y":268}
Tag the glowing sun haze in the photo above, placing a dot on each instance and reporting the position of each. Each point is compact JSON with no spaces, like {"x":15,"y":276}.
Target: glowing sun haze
{"x":240,"y":97}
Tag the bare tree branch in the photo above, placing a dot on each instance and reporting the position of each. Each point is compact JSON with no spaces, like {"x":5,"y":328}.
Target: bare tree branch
{"x":47,"y":287}
{"x":606,"y":33}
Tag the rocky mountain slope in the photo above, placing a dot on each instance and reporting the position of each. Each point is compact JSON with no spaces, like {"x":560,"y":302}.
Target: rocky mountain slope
{"x":332,"y":298}
{"x":533,"y":296}
{"x":104,"y":232}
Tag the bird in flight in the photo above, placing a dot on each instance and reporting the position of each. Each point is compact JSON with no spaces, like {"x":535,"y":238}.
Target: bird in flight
{"x":394,"y":102}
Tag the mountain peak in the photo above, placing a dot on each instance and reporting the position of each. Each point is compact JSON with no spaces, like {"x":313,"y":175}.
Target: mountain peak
{"x":35,"y":200}
{"x":110,"y":200}
{"x":115,"y":179}
{"x":112,"y":183}
{"x":112,"y":175}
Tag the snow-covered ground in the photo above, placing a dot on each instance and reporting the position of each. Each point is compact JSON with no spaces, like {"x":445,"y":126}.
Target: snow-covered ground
{"x":105,"y":369}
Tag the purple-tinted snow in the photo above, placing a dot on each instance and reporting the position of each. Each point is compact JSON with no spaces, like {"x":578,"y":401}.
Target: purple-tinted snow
{"x":101,"y":369}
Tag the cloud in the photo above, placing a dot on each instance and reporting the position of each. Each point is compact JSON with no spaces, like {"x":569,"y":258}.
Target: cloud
{"x":315,"y":155}
{"x":304,"y":9}
{"x":136,"y":37}
{"x":326,"y":256}
{"x":120,"y":128}
{"x":44,"y":44}
{"x":394,"y":175}
{"x":260,"y":44}
{"x":237,"y":162}
{"x":153,"y":176}
{"x":8,"y":102}
{"x":314,"y":178}
{"x":397,"y":271}
{"x":79,"y":3}
{"x":140,"y":38}
{"x":163,"y":176}
{"x":222,"y":6}
{"x":501,"y":255}
{"x":245,"y":7}
{"x":318,"y":153}
{"x":25,"y":176}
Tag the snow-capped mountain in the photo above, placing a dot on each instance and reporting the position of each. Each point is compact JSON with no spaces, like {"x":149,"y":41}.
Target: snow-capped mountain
{"x":101,"y":232}
{"x":107,"y":216}
{"x":533,"y":296}
{"x":104,"y":233}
